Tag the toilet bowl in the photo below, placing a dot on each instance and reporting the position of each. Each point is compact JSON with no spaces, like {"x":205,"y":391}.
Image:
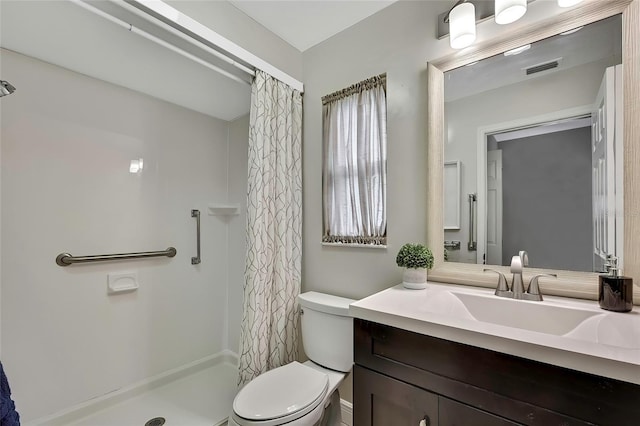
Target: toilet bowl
{"x":304,"y":394}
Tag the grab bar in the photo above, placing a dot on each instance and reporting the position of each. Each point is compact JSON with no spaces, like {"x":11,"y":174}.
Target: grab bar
{"x":196,"y":260}
{"x":471,"y":245}
{"x":65,"y":259}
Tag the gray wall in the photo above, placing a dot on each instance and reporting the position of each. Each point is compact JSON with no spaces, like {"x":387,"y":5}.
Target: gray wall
{"x":399,"y":40}
{"x":547,"y":199}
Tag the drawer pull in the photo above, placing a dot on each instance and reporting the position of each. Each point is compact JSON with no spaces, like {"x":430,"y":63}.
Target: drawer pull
{"x":425,"y":421}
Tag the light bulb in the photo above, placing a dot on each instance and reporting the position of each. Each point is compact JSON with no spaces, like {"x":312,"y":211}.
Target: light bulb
{"x":508,"y":11}
{"x":462,"y":25}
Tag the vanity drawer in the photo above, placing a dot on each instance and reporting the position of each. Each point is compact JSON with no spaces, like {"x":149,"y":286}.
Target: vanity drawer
{"x":522,"y":390}
{"x":386,"y":401}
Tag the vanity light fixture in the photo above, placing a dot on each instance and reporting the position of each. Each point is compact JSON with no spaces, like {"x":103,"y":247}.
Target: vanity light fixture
{"x":462,"y":25}
{"x":464,"y":14}
{"x":517,"y":50}
{"x":508,"y":11}
{"x":568,"y":3}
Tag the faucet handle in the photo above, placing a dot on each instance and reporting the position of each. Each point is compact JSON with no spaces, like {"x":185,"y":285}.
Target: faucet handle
{"x":533,"y":291}
{"x":502,"y":289}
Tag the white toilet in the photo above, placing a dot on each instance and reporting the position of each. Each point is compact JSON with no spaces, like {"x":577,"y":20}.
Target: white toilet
{"x":304,"y":394}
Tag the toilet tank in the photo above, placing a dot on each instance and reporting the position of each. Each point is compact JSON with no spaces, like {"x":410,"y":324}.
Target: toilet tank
{"x":327,"y":330}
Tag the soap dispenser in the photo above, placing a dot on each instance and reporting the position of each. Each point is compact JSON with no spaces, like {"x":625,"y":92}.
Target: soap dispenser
{"x":615,"y":293}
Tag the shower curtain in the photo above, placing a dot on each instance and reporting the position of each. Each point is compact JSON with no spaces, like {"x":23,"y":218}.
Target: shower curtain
{"x":269,"y":329}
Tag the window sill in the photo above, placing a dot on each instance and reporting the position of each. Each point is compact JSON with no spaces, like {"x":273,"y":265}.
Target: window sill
{"x":346,"y":245}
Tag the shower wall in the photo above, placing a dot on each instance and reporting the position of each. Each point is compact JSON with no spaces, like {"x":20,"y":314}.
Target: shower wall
{"x":66,"y":144}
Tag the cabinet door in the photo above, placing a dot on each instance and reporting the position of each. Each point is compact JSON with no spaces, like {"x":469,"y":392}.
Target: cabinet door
{"x":451,"y":413}
{"x":380,"y":400}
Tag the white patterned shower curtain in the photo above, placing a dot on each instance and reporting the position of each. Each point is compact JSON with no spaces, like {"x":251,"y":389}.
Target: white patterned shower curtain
{"x":269,"y":330}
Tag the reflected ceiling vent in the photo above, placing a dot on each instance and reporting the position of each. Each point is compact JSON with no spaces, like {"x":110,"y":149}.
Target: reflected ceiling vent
{"x":546,"y":66}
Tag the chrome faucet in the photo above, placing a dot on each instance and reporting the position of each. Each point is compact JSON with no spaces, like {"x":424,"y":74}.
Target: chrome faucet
{"x":517,"y":266}
{"x":517,"y":291}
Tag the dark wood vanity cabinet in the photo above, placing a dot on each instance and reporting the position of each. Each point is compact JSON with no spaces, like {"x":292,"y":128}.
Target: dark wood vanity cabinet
{"x":401,"y":378}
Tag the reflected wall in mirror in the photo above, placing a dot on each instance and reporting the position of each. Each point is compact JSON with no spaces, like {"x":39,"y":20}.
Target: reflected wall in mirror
{"x":538,"y":134}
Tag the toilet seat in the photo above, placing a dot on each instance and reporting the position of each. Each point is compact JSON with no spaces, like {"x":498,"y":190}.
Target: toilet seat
{"x":281,"y":395}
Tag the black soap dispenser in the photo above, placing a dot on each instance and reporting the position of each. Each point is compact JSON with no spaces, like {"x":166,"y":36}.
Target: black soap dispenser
{"x":615,"y":293}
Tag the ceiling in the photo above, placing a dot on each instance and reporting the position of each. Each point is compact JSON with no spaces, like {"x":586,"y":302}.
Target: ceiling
{"x":305,"y":23}
{"x":64,"y":34}
{"x":595,"y":42}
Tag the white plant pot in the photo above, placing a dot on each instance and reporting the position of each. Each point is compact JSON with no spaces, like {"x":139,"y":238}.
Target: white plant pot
{"x":414,"y":278}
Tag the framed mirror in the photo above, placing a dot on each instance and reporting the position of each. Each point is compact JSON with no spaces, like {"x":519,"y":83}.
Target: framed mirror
{"x":523,"y":123}
{"x":573,"y":280}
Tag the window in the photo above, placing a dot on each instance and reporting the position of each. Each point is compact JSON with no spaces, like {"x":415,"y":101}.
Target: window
{"x":354,"y":178}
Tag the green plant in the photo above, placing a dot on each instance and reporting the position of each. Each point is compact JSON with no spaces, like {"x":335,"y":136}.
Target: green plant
{"x":414,"y":256}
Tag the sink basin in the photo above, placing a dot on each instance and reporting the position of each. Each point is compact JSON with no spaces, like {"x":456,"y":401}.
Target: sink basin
{"x":542,"y":317}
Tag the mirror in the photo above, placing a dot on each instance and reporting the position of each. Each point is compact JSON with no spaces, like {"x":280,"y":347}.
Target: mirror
{"x":530,"y":129}
{"x":568,"y":283}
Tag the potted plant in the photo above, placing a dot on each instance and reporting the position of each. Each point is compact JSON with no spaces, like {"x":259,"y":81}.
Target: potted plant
{"x":416,"y":259}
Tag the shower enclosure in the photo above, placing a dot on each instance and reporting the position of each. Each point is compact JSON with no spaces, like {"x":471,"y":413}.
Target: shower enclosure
{"x":111,"y":141}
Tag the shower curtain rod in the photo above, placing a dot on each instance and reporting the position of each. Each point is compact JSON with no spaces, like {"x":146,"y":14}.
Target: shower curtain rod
{"x":157,"y":40}
{"x":195,"y":31}
{"x":185,"y":37}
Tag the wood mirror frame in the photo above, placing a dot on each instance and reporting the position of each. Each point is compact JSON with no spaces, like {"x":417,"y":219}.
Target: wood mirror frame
{"x":569,"y":283}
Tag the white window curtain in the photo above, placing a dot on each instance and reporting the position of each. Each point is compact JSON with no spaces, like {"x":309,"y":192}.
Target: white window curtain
{"x":269,"y":329}
{"x":354,"y":164}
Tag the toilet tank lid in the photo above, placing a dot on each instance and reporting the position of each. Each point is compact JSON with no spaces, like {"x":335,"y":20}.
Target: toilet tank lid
{"x":325,"y":303}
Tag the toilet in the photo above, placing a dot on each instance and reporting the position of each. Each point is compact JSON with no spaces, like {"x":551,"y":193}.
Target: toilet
{"x":304,"y":394}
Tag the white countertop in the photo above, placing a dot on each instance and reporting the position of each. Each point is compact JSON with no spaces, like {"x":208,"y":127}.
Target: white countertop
{"x":420,"y":311}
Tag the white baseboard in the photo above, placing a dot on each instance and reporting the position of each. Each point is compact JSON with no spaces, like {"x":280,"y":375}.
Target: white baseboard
{"x":84,"y":409}
{"x":347,"y":412}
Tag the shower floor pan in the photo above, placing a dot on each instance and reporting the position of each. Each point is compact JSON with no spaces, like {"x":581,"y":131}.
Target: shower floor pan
{"x":203,"y":398}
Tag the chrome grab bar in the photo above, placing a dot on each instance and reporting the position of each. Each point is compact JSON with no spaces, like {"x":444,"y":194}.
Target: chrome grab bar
{"x":196,"y":260}
{"x":65,"y":259}
{"x":471,"y":245}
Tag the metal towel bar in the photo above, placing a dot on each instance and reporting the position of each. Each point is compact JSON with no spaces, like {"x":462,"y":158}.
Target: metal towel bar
{"x":471,"y":245}
{"x":65,"y":259}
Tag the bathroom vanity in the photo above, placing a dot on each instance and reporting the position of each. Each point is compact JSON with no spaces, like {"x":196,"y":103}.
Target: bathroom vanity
{"x":446,"y":355}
